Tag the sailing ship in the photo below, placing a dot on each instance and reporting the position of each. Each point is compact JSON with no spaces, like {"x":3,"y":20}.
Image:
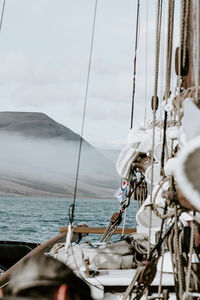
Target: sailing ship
{"x":159,"y":168}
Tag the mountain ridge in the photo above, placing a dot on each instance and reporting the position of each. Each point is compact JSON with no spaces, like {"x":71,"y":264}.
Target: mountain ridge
{"x":35,"y":124}
{"x":39,"y":158}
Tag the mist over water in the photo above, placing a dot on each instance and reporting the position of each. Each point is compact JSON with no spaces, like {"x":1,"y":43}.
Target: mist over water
{"x":38,"y":163}
{"x":48,"y":166}
{"x":39,"y":219}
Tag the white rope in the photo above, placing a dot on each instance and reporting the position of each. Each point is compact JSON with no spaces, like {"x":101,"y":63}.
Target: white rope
{"x":68,"y":237}
{"x":124,"y":223}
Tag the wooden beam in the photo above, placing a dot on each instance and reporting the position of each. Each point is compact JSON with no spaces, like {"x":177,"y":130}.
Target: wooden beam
{"x":190,"y":79}
{"x":97,"y":230}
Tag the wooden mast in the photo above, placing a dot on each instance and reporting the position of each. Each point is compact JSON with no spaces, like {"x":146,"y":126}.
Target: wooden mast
{"x":190,"y":80}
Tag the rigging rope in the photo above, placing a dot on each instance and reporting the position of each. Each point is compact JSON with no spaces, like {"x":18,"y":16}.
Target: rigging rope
{"x":185,"y":30}
{"x":162,"y":67}
{"x":157,"y":56}
{"x":168,"y":73}
{"x":174,"y":265}
{"x":135,"y":62}
{"x":182,"y":23}
{"x":188,"y":276}
{"x":84,"y":112}
{"x":162,"y":266}
{"x":146,"y":56}
{"x":2,"y":14}
{"x":169,"y":46}
{"x":178,"y":260}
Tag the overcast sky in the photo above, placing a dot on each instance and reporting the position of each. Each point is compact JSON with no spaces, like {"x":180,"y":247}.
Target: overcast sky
{"x":44,"y":53}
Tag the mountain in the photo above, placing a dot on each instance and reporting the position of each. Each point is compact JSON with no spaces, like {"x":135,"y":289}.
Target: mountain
{"x":38,"y":157}
{"x":36,"y":125}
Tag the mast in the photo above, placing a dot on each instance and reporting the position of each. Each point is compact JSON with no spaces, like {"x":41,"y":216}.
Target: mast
{"x":191,"y":78}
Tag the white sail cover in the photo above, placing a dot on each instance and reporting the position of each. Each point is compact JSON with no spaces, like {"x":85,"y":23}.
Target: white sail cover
{"x":139,"y":141}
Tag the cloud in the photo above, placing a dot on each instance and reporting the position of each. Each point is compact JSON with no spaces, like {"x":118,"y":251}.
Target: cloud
{"x":44,"y":58}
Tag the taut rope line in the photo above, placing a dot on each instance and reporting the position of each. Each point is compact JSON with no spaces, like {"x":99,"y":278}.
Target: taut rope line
{"x":135,"y":62}
{"x":84,"y":112}
{"x":146,"y":56}
{"x":154,"y":104}
{"x":168,"y":74}
{"x":2,"y":14}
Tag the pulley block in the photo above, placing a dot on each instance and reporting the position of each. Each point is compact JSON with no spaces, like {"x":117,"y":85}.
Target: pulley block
{"x":116,"y":218}
{"x":148,"y":273}
{"x":154,"y":102}
{"x":183,"y":69}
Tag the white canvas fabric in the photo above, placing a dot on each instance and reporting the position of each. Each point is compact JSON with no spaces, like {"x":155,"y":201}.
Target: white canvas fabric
{"x":191,"y":129}
{"x":125,"y":160}
{"x":117,"y":255}
{"x":139,"y":141}
{"x":187,"y":179}
{"x":142,"y":216}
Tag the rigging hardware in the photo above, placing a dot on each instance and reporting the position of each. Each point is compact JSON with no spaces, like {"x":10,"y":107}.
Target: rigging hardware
{"x":183,"y":68}
{"x":146,"y":271}
{"x":117,"y":217}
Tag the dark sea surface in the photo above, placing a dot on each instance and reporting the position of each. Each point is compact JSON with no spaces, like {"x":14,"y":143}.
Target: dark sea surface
{"x":39,"y":219}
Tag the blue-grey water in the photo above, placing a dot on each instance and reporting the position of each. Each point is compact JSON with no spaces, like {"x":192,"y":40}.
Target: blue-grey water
{"x":39,"y":219}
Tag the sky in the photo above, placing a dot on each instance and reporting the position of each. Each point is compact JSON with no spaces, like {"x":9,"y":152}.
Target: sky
{"x":44,"y":55}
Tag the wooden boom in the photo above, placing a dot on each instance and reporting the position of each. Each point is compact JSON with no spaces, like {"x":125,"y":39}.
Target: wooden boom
{"x":97,"y":230}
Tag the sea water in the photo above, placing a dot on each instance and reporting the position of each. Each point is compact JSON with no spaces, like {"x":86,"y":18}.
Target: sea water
{"x":38,"y":219}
